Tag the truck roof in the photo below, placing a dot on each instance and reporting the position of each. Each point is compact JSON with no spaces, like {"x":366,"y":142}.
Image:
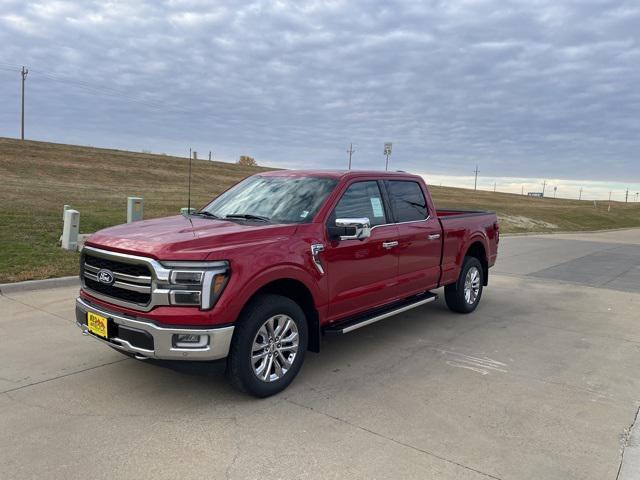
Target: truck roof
{"x":338,"y":174}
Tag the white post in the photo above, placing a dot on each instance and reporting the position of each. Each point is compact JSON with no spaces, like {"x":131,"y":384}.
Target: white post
{"x":64,"y":209}
{"x":135,"y":208}
{"x":70,"y":229}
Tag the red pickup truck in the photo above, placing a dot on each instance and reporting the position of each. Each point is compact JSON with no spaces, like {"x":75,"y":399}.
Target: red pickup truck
{"x":261,"y":273}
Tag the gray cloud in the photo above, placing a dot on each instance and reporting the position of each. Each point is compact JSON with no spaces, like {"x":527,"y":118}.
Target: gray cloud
{"x":531,"y":88}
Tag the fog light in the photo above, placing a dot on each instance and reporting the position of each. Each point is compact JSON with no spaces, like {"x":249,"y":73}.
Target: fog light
{"x":189,"y":340}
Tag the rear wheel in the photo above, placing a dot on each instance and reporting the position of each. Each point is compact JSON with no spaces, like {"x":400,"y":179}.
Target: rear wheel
{"x":464,"y":295}
{"x":268,"y":346}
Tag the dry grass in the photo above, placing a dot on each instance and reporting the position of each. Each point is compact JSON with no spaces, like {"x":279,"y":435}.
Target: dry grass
{"x":38,"y":178}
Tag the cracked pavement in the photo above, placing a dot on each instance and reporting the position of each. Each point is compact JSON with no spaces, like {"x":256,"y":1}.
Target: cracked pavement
{"x":540,"y":382}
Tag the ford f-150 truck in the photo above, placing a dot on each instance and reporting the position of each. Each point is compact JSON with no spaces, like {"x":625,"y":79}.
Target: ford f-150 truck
{"x":259,"y":275}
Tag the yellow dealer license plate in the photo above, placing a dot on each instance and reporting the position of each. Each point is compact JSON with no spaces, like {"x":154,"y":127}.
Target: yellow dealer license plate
{"x":97,"y":324}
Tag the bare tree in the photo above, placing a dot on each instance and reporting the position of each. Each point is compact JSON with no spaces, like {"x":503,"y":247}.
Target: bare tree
{"x":247,"y":161}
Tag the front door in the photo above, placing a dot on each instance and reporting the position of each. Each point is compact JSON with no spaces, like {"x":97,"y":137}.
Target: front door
{"x":362,"y":273}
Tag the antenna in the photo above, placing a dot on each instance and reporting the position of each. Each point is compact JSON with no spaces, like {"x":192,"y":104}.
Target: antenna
{"x":189,"y":194}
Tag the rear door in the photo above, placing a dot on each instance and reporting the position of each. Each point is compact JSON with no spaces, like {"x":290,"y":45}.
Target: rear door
{"x":362,"y":273}
{"x":419,"y":236}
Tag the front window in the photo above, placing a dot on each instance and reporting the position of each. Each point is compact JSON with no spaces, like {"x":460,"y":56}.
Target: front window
{"x":362,"y":199}
{"x":273,"y":199}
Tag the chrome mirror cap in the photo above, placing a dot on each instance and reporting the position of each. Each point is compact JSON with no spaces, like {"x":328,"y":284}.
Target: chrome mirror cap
{"x":362,"y":227}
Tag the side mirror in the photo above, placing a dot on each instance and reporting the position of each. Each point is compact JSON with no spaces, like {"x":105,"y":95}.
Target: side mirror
{"x":352,"y":228}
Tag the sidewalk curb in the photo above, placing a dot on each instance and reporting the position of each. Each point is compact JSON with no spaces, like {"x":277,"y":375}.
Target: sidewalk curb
{"x":565,"y":232}
{"x":39,"y":284}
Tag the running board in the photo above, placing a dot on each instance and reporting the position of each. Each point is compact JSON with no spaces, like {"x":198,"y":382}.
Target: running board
{"x":372,"y":316}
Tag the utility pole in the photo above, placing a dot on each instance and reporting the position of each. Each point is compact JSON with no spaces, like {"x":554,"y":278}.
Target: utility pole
{"x":475,"y":184}
{"x":350,"y":152}
{"x":580,"y":195}
{"x":555,"y":190}
{"x":494,"y":187}
{"x":522,"y":190}
{"x":637,"y":196}
{"x":23,"y":74}
{"x":626,"y":196}
{"x":209,"y":155}
{"x":544,"y":186}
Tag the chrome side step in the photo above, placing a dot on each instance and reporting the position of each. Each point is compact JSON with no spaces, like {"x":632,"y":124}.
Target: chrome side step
{"x":362,"y":320}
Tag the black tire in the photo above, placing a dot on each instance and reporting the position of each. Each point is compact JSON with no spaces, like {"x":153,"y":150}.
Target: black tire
{"x":240,"y":368}
{"x":454,"y":294}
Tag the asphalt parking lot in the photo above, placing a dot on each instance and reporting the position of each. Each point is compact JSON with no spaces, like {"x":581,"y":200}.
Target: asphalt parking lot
{"x":541,"y":382}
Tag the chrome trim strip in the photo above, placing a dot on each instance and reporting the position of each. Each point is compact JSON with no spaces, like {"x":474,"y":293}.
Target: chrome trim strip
{"x":218,"y":347}
{"x":401,"y":223}
{"x":132,"y":287}
{"x":119,"y":276}
{"x":124,"y":286}
{"x":364,"y":323}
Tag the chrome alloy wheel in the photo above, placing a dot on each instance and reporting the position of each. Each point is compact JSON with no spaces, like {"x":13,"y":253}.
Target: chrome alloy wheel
{"x":275,"y":347}
{"x":472,"y":285}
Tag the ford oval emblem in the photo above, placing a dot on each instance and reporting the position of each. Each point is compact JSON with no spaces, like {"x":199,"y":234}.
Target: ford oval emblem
{"x":105,"y":276}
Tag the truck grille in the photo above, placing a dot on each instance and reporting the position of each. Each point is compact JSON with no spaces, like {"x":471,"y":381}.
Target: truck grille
{"x":132,"y":281}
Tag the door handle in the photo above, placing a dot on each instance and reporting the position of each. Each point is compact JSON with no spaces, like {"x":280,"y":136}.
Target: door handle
{"x":390,"y":244}
{"x":434,"y":236}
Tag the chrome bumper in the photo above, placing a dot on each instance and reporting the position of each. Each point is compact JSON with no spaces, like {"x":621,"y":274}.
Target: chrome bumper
{"x":163,"y":345}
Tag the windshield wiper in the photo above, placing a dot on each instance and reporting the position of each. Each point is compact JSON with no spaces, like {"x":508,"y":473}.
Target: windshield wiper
{"x":204,"y":213}
{"x":248,"y":216}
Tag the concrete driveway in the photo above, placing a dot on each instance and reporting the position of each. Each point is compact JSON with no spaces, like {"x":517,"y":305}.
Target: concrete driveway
{"x":541,"y":382}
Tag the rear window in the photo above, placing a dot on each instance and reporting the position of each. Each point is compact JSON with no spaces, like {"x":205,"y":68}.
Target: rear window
{"x":407,"y":200}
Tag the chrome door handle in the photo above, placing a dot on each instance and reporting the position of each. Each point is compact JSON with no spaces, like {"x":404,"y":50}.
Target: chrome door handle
{"x":390,"y":244}
{"x":434,"y":236}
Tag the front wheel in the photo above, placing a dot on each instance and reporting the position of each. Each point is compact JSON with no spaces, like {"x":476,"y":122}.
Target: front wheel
{"x":464,"y":295}
{"x":268,"y":346}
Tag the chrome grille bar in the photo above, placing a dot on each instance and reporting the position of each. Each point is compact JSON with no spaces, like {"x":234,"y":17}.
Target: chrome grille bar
{"x":118,"y":275}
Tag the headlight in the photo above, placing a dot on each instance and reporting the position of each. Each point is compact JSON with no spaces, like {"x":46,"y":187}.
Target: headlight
{"x":196,"y":283}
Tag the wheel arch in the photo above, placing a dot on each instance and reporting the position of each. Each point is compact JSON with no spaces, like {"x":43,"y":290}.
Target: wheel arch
{"x":297,"y":291}
{"x":477,"y":249}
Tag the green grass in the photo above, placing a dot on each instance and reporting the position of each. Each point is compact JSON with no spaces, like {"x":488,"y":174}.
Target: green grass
{"x":37,"y":179}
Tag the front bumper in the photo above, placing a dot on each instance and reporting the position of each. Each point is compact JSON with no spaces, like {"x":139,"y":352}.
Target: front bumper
{"x":148,"y":340}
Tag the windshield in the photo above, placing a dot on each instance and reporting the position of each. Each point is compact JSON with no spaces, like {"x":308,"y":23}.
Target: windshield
{"x":273,"y":199}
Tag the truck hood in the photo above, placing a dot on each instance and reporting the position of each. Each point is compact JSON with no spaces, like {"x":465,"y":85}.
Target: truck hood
{"x":181,"y":238}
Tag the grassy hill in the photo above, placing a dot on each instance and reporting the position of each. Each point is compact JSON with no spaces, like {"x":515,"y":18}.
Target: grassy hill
{"x":38,"y":178}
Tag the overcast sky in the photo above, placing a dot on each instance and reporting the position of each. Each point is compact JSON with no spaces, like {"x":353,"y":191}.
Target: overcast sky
{"x":545,"y":89}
